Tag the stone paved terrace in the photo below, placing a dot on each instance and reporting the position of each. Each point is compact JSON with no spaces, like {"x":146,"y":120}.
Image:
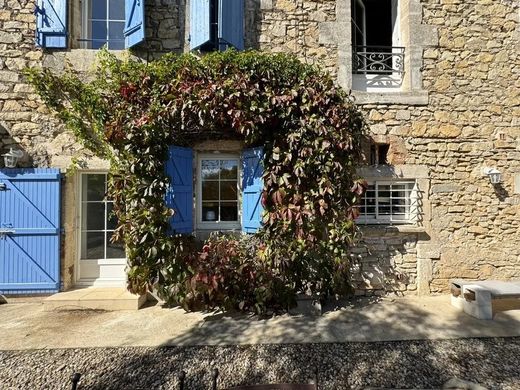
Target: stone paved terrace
{"x":28,"y":326}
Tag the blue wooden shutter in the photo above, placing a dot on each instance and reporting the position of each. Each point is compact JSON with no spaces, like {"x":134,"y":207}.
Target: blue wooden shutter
{"x":252,"y":186}
{"x":231,"y":23}
{"x":29,"y":230}
{"x":134,"y":22}
{"x":179,"y":195}
{"x":51,"y":23}
{"x":199,"y":23}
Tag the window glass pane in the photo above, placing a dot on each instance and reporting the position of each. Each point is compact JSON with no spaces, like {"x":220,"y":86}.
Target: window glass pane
{"x":210,"y":190}
{"x":99,"y":34}
{"x":210,"y":211}
{"x":229,"y":169}
{"x":116,"y":9}
{"x":98,"y":9}
{"x":114,"y":250}
{"x":93,"y":187}
{"x":115,"y":35}
{"x":228,"y":190}
{"x":210,"y":169}
{"x":229,"y":211}
{"x":93,"y":245}
{"x":93,"y":216}
{"x":112,"y":220}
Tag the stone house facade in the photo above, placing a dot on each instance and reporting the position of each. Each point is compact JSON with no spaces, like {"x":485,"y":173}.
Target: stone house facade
{"x":438,"y":80}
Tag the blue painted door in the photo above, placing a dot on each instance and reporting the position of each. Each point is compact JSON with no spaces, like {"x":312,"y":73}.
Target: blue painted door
{"x":29,"y":230}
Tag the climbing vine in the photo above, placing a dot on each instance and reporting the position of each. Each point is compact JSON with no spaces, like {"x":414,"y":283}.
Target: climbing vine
{"x":129,"y":111}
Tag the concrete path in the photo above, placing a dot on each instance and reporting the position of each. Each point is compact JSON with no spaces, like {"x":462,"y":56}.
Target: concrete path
{"x":28,"y":326}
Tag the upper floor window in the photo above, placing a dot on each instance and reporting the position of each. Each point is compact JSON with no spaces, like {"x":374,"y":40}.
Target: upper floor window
{"x":216,"y":24}
{"x":103,"y":24}
{"x":377,"y":57}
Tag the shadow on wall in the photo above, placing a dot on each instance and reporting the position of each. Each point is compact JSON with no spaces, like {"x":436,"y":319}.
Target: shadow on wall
{"x":405,"y":364}
{"x":7,"y":143}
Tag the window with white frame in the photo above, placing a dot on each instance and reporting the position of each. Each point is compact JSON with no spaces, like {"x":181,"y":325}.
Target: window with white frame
{"x":97,"y":220}
{"x":218,"y":202}
{"x":103,"y":24}
{"x":390,"y":202}
{"x":377,"y":54}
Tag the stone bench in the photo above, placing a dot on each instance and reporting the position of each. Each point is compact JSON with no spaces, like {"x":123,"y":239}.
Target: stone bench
{"x":475,"y":297}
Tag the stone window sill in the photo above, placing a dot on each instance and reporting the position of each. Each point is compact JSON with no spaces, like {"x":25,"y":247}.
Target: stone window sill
{"x":393,"y":228}
{"x":414,"y":98}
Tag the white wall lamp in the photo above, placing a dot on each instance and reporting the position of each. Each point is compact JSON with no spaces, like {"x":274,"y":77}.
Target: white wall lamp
{"x":495,"y":177}
{"x":11,"y":158}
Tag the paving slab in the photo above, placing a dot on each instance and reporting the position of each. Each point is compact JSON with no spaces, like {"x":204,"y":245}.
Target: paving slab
{"x":29,"y":326}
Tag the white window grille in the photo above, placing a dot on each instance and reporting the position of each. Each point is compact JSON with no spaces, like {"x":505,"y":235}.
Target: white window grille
{"x":391,"y":202}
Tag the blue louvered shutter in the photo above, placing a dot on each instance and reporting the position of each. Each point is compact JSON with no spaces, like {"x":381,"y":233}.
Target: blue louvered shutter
{"x":134,"y":22}
{"x":231,"y":23}
{"x":252,"y":186}
{"x":179,"y":195}
{"x":51,"y":23}
{"x":199,"y":23}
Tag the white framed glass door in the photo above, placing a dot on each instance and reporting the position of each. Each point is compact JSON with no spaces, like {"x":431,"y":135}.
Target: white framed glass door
{"x":101,"y":262}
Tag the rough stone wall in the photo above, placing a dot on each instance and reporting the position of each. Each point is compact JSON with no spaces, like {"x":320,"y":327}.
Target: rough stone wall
{"x":472,"y":121}
{"x":385,"y":261}
{"x":468,"y":118}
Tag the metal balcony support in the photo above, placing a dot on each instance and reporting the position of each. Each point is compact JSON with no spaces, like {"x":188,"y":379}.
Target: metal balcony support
{"x":378,"y":60}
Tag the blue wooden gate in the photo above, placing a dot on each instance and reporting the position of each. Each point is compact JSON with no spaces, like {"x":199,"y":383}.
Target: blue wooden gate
{"x":29,"y":230}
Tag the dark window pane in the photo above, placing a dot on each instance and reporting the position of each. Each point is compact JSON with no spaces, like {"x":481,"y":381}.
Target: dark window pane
{"x":114,"y":250}
{"x":210,"y":169}
{"x":93,"y":187}
{"x":112,"y":220}
{"x":210,"y":190}
{"x":116,"y":9}
{"x":228,"y":190}
{"x":98,"y":9}
{"x":229,"y":169}
{"x":99,"y":34}
{"x":210,"y":211}
{"x":115,"y":35}
{"x":93,"y":216}
{"x":229,"y":211}
{"x":93,"y":245}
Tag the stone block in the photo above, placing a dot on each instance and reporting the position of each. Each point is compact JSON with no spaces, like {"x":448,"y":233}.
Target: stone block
{"x":10,"y":37}
{"x":445,"y":188}
{"x":402,"y":115}
{"x":8,"y":76}
{"x":428,"y":251}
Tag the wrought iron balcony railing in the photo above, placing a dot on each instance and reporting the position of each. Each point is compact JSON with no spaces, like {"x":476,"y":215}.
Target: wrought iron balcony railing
{"x":378,"y":60}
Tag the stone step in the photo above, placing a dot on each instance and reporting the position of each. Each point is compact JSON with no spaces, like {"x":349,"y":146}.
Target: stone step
{"x":94,"y":298}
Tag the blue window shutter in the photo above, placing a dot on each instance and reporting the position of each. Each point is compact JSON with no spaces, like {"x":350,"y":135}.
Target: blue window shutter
{"x":51,"y":23}
{"x":252,"y":186}
{"x":231,"y":23}
{"x":199,"y":23}
{"x":179,"y":195}
{"x":134,"y":22}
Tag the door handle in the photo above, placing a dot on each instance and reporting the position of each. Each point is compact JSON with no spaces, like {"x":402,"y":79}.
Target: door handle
{"x":3,"y":187}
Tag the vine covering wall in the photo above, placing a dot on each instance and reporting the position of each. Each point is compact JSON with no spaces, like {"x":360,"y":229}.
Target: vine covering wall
{"x":129,"y":112}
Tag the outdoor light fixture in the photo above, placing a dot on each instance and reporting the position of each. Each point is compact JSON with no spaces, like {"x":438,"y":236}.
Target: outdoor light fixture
{"x":494,"y":175}
{"x":11,"y":158}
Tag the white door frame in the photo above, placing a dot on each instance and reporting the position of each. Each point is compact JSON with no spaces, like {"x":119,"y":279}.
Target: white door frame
{"x":111,"y":266}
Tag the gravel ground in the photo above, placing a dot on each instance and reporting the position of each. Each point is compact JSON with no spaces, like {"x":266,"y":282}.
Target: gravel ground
{"x":493,"y":363}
